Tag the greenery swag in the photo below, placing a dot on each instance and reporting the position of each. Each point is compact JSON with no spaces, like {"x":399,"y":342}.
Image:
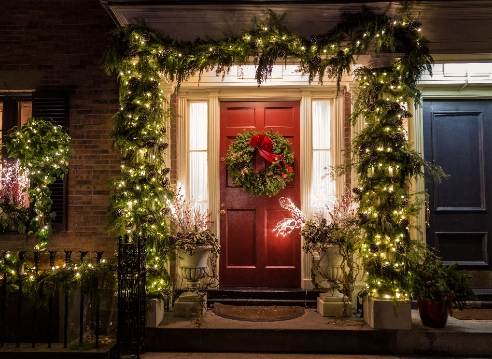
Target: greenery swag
{"x":383,"y":160}
{"x":40,"y":285}
{"x":239,"y":160}
{"x":43,"y":151}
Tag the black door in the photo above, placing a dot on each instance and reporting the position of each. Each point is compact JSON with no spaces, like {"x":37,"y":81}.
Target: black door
{"x":458,"y":137}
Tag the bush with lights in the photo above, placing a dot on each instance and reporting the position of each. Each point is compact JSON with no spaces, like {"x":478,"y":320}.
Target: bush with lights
{"x":383,"y":159}
{"x":43,"y":151}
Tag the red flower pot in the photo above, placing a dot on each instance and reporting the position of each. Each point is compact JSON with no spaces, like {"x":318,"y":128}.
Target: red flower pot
{"x":433,"y":313}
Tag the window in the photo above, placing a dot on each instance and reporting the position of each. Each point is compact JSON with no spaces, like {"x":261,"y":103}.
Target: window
{"x":198,"y":154}
{"x":14,"y":112}
{"x":322,"y":186}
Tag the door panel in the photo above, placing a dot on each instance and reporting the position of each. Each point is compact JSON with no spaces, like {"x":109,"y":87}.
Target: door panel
{"x":252,"y":254}
{"x":457,"y":137}
{"x":461,"y":157}
{"x":241,"y":238}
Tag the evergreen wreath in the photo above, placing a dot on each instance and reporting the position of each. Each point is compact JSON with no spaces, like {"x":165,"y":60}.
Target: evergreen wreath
{"x":274,"y":148}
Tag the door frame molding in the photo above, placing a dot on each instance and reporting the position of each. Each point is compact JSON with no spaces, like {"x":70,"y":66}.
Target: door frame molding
{"x":304,"y":94}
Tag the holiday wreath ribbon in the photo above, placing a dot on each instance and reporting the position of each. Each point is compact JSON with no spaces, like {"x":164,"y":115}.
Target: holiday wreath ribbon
{"x":264,"y":145}
{"x":274,"y":148}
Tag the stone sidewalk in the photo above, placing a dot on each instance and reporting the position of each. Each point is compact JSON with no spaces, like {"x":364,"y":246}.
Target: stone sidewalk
{"x":277,"y":356}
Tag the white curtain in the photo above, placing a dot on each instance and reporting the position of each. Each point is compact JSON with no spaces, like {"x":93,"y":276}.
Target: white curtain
{"x":322,"y":185}
{"x":198,"y":155}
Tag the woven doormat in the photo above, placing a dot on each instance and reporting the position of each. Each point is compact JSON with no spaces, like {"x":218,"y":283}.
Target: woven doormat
{"x":473,"y":314}
{"x":255,"y":313}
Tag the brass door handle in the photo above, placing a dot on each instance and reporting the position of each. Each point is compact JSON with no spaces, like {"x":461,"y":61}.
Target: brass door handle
{"x":427,"y":215}
{"x":222,"y":211}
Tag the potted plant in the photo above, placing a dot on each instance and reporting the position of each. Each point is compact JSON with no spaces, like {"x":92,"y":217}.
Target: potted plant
{"x":195,"y":244}
{"x":333,"y":232}
{"x":439,"y":288}
{"x":332,"y":237}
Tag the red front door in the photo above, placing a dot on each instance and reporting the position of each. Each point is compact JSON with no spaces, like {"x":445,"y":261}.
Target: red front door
{"x":251,"y":253}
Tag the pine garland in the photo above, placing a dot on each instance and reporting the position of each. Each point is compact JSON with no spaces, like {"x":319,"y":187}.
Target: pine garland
{"x":139,"y":55}
{"x":89,"y":277}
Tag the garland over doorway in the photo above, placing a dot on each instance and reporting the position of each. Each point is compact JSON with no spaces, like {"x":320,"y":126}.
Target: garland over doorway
{"x":382,"y":157}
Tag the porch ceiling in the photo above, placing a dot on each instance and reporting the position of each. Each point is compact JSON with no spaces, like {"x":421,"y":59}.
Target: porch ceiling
{"x":458,"y":30}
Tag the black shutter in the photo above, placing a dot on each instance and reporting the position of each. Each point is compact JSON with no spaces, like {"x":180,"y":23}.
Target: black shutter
{"x":54,"y":105}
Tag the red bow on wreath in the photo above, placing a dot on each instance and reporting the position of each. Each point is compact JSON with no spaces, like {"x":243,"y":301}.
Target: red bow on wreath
{"x":264,"y":145}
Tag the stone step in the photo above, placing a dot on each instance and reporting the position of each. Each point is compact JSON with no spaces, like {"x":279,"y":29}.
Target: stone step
{"x":263,"y":296}
{"x":312,"y":333}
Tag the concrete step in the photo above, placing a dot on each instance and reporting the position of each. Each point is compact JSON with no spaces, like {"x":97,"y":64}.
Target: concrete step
{"x":263,"y":296}
{"x":312,"y":333}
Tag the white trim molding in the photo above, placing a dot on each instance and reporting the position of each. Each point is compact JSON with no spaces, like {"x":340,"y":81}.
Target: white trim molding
{"x":286,"y":85}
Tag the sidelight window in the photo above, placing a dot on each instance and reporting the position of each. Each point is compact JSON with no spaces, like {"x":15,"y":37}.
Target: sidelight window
{"x":198,"y":153}
{"x":322,"y":186}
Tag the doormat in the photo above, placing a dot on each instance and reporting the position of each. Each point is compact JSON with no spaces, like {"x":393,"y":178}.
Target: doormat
{"x":473,"y":314}
{"x":255,"y":313}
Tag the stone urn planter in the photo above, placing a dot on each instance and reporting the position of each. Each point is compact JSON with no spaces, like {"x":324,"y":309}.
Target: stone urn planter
{"x":332,"y":303}
{"x":192,"y":268}
{"x":330,"y":268}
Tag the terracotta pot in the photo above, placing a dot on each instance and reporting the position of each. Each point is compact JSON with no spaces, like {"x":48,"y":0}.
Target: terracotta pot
{"x":433,"y":313}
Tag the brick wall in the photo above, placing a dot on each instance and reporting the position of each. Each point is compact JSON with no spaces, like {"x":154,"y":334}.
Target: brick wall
{"x":66,"y":40}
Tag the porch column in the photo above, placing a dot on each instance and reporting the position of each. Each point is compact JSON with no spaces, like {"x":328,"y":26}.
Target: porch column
{"x":338,"y":154}
{"x":182,"y":139}
{"x":416,"y":138}
{"x":166,"y":105}
{"x":306,"y":147}
{"x":213,"y":159}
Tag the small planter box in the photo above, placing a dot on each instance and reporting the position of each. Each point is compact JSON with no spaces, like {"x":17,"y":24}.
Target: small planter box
{"x":332,"y":306}
{"x":155,"y":314}
{"x":382,"y":314}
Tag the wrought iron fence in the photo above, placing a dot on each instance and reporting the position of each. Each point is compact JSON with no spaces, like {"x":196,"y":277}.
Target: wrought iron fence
{"x":33,"y":294}
{"x":36,"y":299}
{"x":131,"y":296}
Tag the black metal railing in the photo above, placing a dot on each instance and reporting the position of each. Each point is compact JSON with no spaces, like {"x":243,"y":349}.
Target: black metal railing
{"x":31,"y":295}
{"x":131,"y":296}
